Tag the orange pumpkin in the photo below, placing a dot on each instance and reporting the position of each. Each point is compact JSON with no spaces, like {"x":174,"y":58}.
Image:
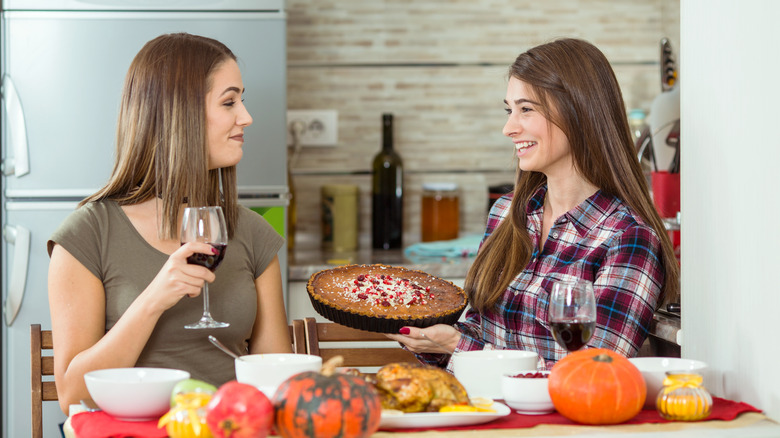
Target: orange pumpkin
{"x":326,"y":404}
{"x":597,"y":386}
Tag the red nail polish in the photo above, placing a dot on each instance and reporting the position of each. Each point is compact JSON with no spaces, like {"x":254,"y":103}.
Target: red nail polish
{"x":214,"y":251}
{"x":404,"y":330}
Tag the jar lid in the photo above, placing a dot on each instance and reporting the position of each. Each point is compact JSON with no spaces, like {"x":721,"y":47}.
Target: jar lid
{"x":440,"y":186}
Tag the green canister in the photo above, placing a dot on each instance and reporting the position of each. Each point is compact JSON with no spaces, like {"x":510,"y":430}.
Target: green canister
{"x":339,"y":217}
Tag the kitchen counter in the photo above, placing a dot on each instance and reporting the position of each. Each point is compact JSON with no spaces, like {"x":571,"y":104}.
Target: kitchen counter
{"x":664,"y":330}
{"x":304,"y":263}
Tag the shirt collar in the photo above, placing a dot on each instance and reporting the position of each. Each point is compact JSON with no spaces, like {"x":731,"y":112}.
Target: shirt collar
{"x":585,"y":216}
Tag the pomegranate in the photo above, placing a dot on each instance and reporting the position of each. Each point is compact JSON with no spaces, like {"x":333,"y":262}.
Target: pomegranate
{"x":239,"y":410}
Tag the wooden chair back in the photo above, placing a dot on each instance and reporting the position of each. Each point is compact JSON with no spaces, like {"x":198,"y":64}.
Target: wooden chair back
{"x":43,"y":389}
{"x":42,"y":368}
{"x":369,"y":349}
{"x":298,"y":336}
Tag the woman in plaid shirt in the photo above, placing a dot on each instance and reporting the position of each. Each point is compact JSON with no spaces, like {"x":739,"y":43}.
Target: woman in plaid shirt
{"x":580,"y":209}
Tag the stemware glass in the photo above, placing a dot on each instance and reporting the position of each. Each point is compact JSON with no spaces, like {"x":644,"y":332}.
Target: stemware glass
{"x":205,"y":224}
{"x":572,"y":313}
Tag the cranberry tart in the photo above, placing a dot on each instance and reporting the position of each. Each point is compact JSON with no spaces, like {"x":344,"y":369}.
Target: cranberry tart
{"x":383,"y":299}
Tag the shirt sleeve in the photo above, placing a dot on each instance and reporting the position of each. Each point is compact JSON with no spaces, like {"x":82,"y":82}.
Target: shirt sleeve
{"x":265,"y":242}
{"x":80,"y":234}
{"x":627,"y":288}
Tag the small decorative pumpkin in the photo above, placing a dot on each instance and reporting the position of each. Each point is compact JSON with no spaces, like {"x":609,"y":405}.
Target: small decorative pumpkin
{"x":327,"y":404}
{"x":597,"y":386}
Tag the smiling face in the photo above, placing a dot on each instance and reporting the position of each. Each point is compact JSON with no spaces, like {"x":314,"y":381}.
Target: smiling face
{"x":226,"y":116}
{"x":541,"y":146}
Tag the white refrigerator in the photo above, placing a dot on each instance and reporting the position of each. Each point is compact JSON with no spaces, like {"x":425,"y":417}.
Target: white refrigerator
{"x":63,"y":66}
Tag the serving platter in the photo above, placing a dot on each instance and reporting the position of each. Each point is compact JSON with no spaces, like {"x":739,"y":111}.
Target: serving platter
{"x":441,"y":419}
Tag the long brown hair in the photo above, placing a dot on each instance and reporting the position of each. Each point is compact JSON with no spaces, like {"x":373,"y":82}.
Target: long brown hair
{"x":578,"y":92}
{"x":161,"y":147}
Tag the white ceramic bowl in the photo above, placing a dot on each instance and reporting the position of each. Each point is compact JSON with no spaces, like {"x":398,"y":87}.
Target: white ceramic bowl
{"x":480,"y":371}
{"x":527,"y":395}
{"x":268,"y":371}
{"x":133,"y":394}
{"x":654,"y":370}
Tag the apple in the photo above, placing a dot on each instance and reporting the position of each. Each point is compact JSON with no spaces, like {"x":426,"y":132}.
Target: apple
{"x":191,"y":385}
{"x":239,"y":410}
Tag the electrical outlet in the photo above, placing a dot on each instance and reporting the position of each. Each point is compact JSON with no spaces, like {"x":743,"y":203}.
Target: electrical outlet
{"x":315,"y":127}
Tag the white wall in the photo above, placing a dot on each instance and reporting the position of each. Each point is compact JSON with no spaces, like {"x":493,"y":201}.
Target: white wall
{"x":730,"y":78}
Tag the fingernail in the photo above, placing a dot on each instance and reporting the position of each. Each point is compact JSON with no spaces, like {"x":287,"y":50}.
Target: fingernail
{"x":214,"y":251}
{"x":404,"y":330}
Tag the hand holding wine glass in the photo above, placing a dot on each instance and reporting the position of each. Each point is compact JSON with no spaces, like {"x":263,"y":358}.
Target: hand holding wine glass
{"x":572,"y":313}
{"x":205,"y":224}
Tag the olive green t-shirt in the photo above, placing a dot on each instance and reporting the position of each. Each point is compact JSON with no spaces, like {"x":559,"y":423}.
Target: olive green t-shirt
{"x":102,"y":238}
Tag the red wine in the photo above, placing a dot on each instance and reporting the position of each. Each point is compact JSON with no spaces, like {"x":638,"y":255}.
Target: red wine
{"x":572,"y":335}
{"x":387,"y":192}
{"x":210,"y":261}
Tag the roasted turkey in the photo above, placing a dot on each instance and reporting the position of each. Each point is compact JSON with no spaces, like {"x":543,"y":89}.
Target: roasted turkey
{"x":414,"y":387}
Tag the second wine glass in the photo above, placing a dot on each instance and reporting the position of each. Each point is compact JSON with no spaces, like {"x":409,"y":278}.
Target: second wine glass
{"x":572,"y":313}
{"x":207,"y":225}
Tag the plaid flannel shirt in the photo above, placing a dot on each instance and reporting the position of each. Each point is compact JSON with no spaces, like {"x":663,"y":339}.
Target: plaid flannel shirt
{"x":600,"y":240}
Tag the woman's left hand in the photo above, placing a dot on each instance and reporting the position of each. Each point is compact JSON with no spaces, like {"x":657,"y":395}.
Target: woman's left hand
{"x":439,"y":338}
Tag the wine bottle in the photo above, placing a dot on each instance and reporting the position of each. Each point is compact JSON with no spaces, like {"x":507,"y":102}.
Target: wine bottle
{"x":387,"y":192}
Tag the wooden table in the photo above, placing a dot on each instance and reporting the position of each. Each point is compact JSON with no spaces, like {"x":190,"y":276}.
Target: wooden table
{"x":746,"y":425}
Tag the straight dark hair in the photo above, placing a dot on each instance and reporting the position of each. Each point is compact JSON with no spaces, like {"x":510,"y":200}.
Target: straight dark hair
{"x":578,"y":92}
{"x":161,"y":146}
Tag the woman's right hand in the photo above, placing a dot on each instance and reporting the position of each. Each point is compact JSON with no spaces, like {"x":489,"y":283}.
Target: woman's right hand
{"x":177,"y":278}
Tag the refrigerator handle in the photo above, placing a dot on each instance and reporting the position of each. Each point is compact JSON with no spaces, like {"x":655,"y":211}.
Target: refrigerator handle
{"x":20,"y":238}
{"x":19,"y":164}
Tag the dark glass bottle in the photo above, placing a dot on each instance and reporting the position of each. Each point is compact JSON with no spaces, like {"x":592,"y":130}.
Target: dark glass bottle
{"x":387,"y":192}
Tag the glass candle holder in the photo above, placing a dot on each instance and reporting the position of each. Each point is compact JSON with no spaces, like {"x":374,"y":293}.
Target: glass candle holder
{"x":683,"y":397}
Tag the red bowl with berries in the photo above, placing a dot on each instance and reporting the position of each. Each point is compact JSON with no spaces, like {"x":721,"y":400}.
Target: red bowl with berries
{"x":527,"y":392}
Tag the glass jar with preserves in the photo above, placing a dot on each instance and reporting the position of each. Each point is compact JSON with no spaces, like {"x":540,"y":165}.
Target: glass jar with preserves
{"x":683,"y":397}
{"x":440,"y":211}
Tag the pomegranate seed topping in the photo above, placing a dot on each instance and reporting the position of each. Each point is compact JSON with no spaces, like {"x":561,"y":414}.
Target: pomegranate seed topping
{"x":362,"y":296}
{"x":536,"y":375}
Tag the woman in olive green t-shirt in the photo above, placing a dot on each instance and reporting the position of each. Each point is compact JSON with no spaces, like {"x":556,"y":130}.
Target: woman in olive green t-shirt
{"x":120,"y":288}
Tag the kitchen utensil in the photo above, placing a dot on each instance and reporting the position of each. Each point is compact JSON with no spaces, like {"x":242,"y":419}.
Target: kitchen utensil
{"x":89,"y":405}
{"x":644,"y":146}
{"x":668,"y":66}
{"x":673,"y":140}
{"x":222,"y":347}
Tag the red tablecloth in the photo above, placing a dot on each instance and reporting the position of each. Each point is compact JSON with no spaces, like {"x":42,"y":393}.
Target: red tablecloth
{"x":102,"y":425}
{"x":722,"y":409}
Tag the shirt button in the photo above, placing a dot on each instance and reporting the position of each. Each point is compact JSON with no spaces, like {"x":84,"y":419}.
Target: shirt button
{"x":555,"y":235}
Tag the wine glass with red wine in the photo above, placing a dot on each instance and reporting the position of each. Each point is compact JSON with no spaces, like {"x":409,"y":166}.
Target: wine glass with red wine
{"x":205,"y":224}
{"x":572,"y":313}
